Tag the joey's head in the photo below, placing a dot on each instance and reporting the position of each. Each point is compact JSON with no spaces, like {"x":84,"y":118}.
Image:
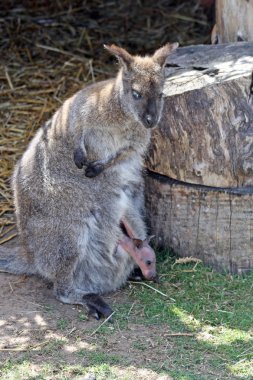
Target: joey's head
{"x":140,"y":83}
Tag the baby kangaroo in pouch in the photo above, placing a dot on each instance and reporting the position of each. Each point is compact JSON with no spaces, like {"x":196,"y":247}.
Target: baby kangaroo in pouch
{"x":70,"y":225}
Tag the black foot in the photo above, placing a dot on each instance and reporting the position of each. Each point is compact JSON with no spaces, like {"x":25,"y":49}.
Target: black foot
{"x":94,"y":169}
{"x":97,"y":306}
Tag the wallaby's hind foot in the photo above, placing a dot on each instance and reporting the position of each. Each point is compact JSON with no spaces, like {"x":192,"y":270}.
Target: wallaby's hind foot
{"x":96,"y":306}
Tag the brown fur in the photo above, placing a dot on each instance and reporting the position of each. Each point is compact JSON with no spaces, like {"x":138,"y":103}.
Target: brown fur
{"x":69,"y":225}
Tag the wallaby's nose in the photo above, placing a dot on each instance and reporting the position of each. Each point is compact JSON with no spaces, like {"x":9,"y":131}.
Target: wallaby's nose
{"x":150,"y":115}
{"x":150,"y":120}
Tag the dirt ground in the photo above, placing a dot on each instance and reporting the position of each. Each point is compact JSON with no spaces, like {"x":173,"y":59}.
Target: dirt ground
{"x":37,"y":328}
{"x":32,"y":321}
{"x":44,"y":339}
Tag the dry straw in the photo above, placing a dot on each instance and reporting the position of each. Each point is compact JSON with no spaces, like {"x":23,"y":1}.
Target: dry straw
{"x":49,"y":50}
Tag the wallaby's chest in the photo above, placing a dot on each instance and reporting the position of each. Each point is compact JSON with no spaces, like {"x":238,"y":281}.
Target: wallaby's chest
{"x":130,"y":170}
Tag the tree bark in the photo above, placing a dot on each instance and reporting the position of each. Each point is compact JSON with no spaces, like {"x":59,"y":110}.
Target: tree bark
{"x":234,"y":20}
{"x":199,"y":186}
{"x":206,"y":132}
{"x":213,"y":225}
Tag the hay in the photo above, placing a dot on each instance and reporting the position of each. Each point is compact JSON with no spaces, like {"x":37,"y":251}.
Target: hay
{"x":49,"y":50}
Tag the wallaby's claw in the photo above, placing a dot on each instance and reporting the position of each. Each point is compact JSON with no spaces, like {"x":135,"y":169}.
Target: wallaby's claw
{"x":97,"y":306}
{"x":92,"y":312}
{"x":94,"y":169}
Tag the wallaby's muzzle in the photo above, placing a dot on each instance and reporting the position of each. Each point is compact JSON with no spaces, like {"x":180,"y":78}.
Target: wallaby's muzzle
{"x":150,"y":115}
{"x":150,"y":121}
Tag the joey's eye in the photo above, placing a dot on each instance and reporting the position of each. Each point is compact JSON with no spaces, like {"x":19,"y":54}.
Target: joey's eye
{"x":136,"y":94}
{"x":148,"y":262}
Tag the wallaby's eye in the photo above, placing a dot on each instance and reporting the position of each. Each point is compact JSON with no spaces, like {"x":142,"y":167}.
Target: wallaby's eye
{"x":148,"y":262}
{"x":136,"y":94}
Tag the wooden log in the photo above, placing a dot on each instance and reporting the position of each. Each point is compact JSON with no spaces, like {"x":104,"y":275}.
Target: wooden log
{"x":199,"y":190}
{"x":234,"y":20}
{"x":214,"y":225}
{"x":206,"y":131}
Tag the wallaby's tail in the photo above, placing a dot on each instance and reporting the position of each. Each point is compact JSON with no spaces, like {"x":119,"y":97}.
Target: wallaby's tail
{"x":12,"y":262}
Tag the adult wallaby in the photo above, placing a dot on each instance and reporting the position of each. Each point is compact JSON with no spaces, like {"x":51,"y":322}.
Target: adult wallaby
{"x":69,"y":225}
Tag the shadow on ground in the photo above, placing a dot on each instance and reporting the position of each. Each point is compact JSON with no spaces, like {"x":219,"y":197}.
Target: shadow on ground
{"x":151,"y":337}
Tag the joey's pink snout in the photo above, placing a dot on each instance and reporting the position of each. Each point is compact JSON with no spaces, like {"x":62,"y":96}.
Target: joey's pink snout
{"x":143,"y":255}
{"x":146,"y":260}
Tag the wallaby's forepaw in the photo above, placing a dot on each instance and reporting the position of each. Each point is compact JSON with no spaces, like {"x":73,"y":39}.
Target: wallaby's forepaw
{"x":96,"y":306}
{"x":93,"y":169}
{"x":80,"y":158}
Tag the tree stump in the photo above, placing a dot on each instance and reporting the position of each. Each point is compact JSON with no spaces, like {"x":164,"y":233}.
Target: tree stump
{"x":234,"y":20}
{"x":199,"y":189}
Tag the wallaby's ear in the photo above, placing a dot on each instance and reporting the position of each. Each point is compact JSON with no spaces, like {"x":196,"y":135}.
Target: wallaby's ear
{"x":161,"y":54}
{"x":123,"y":56}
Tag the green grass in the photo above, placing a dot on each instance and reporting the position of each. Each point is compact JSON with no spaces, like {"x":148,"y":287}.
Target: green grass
{"x":62,"y":324}
{"x":212,"y":314}
{"x":217,"y":308}
{"x":99,"y":358}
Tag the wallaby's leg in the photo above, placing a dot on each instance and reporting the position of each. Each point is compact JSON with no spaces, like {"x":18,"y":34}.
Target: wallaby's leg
{"x":59,"y":262}
{"x":94,"y":168}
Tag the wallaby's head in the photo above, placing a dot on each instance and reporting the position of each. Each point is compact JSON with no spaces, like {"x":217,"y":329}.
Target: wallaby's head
{"x":140,"y":83}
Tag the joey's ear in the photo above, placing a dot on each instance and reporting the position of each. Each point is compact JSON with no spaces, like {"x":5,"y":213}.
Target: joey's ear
{"x":161,"y":54}
{"x":138,"y":243}
{"x":123,"y":56}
